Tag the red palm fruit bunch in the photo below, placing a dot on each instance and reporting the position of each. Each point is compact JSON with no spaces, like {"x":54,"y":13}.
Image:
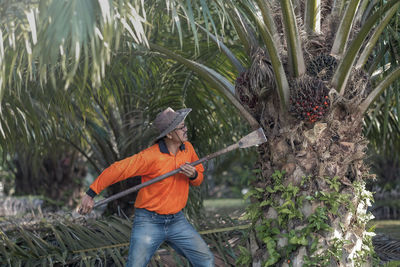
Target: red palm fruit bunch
{"x":309,"y":101}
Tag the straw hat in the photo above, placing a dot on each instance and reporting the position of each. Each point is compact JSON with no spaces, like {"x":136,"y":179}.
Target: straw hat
{"x":166,"y":121}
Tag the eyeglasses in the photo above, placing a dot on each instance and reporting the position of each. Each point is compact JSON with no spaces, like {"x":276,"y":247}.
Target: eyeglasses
{"x":181,"y":128}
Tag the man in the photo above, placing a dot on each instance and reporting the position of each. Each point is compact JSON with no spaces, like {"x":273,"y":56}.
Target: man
{"x":158,"y":207}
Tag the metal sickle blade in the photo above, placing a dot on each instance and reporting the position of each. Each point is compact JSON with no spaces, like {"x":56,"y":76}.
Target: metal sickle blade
{"x":253,"y":139}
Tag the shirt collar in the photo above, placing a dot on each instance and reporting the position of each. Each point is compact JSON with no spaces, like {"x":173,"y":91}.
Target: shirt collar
{"x":164,"y":149}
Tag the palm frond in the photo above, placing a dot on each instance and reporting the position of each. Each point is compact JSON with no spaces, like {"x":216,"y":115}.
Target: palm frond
{"x":226,"y":51}
{"x":282,"y":84}
{"x":243,"y":29}
{"x":312,"y":16}
{"x":212,"y":77}
{"x":385,"y":83}
{"x":295,"y":52}
{"x":343,"y":70}
{"x":87,"y":242}
{"x":343,"y":32}
{"x":382,"y":125}
{"x":376,"y":34}
{"x":47,"y":40}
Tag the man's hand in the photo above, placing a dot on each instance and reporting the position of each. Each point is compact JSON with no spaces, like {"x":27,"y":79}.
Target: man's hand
{"x":87,"y":204}
{"x":188,"y":170}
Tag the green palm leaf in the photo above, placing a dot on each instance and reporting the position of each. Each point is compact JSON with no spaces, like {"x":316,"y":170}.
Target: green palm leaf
{"x":214,"y":78}
{"x":312,"y":16}
{"x":343,"y":71}
{"x":342,"y":34}
{"x":296,"y":60}
{"x":384,"y":84}
{"x":376,"y":34}
{"x":88,"y":242}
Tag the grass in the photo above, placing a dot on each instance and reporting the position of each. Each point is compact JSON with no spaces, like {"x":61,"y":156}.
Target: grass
{"x":390,"y":228}
{"x":227,"y":207}
{"x":214,"y":204}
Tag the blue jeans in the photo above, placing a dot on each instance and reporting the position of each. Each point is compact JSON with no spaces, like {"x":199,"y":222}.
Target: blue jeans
{"x":151,"y":229}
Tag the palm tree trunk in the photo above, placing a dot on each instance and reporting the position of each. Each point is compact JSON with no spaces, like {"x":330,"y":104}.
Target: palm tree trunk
{"x":309,"y":203}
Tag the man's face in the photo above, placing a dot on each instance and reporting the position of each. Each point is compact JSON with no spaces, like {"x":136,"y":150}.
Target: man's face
{"x":181,"y":131}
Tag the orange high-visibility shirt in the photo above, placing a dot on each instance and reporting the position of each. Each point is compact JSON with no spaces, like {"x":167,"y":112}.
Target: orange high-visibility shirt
{"x":167,"y":196}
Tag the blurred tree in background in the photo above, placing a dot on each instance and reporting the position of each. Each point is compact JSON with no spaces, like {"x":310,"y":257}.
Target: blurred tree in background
{"x":105,"y":121}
